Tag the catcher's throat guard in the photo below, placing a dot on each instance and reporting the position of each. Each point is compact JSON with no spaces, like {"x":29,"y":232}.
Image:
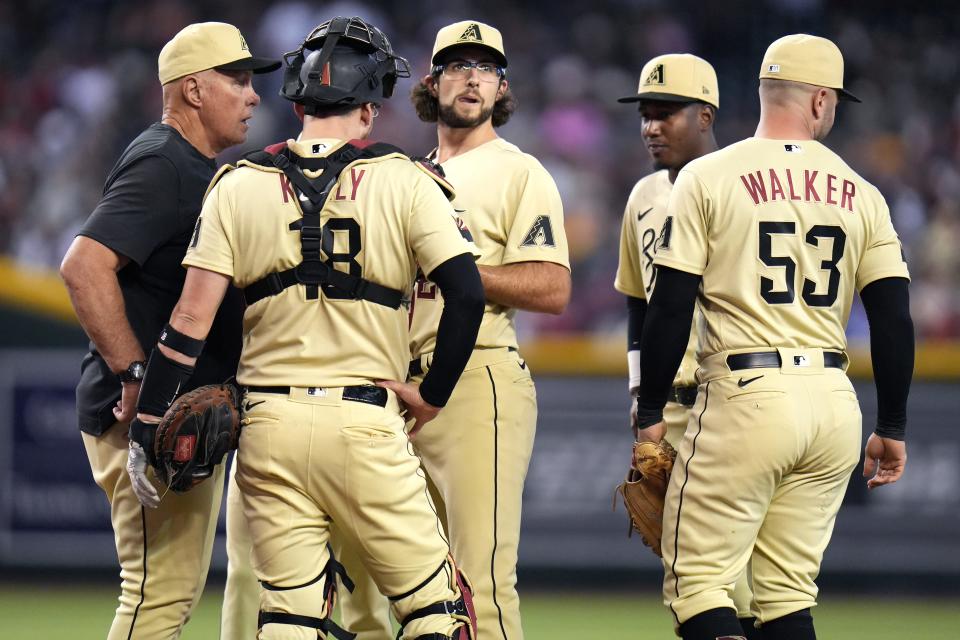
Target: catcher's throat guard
{"x":196,"y":432}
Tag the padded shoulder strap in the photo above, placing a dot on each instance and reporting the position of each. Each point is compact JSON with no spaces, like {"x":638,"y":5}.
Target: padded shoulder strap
{"x":222,"y":171}
{"x":435,"y":172}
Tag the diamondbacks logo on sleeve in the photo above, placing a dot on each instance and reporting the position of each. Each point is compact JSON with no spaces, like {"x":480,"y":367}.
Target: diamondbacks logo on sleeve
{"x":196,"y":234}
{"x":663,"y":242}
{"x":540,"y":234}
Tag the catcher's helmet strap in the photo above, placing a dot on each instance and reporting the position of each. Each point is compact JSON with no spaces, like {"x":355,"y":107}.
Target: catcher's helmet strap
{"x":313,"y":271}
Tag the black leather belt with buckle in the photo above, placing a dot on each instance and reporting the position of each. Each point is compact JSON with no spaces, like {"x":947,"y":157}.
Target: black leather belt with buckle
{"x":771,"y":360}
{"x":687,"y":396}
{"x":359,"y":393}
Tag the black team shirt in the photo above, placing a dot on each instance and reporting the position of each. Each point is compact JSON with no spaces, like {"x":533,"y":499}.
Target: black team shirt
{"x":149,"y":209}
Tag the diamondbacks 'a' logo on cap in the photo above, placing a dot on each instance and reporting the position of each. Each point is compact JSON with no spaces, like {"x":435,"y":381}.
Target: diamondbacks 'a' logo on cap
{"x":243,"y":43}
{"x":655,"y":76}
{"x":471,"y":34}
{"x":540,"y":234}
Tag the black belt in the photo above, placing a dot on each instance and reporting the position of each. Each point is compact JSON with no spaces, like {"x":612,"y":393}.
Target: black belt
{"x":771,"y":360}
{"x":687,"y":396}
{"x":367,"y":393}
{"x":416,"y":366}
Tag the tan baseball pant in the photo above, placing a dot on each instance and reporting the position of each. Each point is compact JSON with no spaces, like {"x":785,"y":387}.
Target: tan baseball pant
{"x":164,"y":553}
{"x":760,"y":475}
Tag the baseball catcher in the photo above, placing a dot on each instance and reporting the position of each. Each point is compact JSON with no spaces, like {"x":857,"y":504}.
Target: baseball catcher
{"x":645,"y":488}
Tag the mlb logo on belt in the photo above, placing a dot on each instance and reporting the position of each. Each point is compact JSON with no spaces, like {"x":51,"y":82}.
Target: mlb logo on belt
{"x":801,"y":361}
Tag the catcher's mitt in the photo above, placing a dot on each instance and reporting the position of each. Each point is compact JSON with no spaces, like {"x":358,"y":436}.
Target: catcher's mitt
{"x":198,"y":429}
{"x":645,"y":488}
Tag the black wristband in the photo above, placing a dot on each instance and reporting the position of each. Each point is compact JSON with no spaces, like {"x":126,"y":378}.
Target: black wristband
{"x":161,"y":384}
{"x":181,"y":342}
{"x":647,"y":417}
{"x":891,"y":431}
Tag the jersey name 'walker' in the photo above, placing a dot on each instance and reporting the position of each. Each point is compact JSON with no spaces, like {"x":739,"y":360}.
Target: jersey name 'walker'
{"x":812,"y":230}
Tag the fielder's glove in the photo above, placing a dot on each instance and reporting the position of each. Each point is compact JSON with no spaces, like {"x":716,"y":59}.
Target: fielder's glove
{"x":196,"y":432}
{"x":645,"y":488}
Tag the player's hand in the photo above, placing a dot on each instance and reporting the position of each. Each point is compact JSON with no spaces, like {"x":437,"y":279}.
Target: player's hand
{"x":137,"y":469}
{"x":883,"y":460}
{"x":127,"y":404}
{"x":419,"y":409}
{"x":653,"y":433}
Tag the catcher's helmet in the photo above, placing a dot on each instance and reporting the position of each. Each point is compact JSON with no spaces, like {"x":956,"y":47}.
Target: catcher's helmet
{"x":344,"y":61}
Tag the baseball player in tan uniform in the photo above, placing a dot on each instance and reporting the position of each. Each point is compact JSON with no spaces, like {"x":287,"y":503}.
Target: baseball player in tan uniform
{"x":678,"y":99}
{"x":771,"y":237}
{"x":325,"y":235}
{"x":477,"y":452}
{"x":123,"y":273}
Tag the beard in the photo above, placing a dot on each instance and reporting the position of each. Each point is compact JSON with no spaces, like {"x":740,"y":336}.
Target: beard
{"x":447,"y":114}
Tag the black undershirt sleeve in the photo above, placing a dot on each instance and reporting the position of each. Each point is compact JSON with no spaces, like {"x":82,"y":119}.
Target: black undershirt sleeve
{"x":636,"y":312}
{"x":887,"y":303}
{"x":666,"y":331}
{"x":463,"y":303}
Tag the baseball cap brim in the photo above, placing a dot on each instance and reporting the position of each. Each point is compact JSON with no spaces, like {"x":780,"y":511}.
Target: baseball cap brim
{"x":665,"y":97}
{"x":843,"y":94}
{"x":257,"y":65}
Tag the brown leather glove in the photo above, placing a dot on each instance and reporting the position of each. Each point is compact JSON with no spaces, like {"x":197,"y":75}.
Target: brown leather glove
{"x":645,"y":488}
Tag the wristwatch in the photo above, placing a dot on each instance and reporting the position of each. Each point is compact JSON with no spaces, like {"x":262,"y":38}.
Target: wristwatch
{"x":133,"y":373}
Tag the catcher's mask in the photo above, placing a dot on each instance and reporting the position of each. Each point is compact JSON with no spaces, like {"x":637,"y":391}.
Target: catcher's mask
{"x":344,"y":61}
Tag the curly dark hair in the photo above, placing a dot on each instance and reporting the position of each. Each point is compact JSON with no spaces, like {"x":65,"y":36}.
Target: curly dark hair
{"x":428,"y":109}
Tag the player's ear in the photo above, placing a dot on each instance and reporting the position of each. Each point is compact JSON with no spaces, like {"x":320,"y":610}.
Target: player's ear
{"x":190,"y":90}
{"x":504,"y":85}
{"x":431,"y":84}
{"x":706,"y":116}
{"x":820,"y":103}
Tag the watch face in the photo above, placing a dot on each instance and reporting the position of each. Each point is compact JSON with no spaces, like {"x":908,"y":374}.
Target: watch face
{"x":134,"y":372}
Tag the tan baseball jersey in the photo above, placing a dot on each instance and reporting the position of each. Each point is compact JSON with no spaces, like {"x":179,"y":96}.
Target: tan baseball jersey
{"x":810,"y":229}
{"x":512,"y":207}
{"x":383,"y":218}
{"x":643,"y":221}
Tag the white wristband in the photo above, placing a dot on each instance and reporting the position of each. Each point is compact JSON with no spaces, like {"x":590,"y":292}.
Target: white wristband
{"x":633,"y":368}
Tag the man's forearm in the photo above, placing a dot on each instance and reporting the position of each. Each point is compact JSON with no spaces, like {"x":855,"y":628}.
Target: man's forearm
{"x":665,"y":333}
{"x":543,"y":287}
{"x":98,"y":303}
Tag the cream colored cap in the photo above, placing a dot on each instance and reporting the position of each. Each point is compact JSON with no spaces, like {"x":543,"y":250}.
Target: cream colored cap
{"x":809,"y":59}
{"x":208,"y":45}
{"x":677,"y":77}
{"x":469,"y":32}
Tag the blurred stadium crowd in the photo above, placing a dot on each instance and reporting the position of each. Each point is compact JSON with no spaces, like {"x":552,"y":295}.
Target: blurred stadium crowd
{"x":78,"y":81}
